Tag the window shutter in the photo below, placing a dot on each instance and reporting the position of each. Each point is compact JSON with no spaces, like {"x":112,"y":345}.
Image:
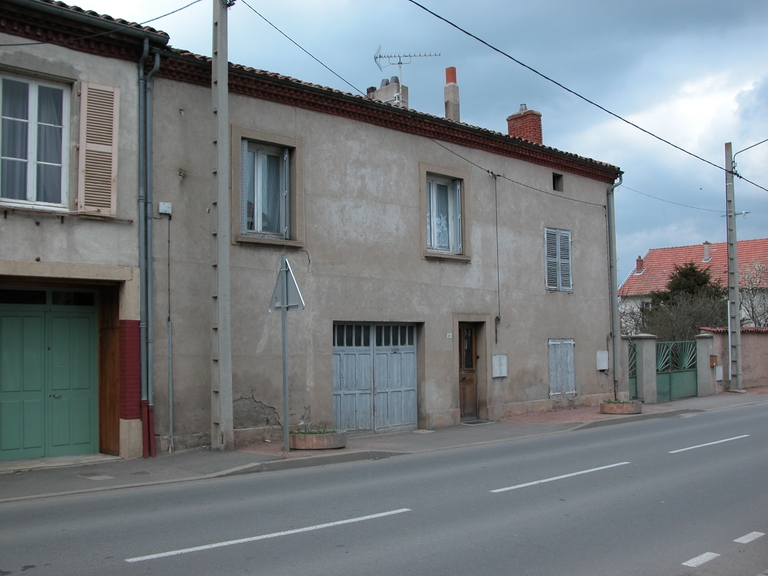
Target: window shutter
{"x":565,"y":260}
{"x":97,"y":182}
{"x":287,"y":193}
{"x":551,"y":258}
{"x":457,"y":233}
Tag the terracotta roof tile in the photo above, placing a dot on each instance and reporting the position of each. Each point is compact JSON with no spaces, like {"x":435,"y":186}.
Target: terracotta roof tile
{"x":658,"y":264}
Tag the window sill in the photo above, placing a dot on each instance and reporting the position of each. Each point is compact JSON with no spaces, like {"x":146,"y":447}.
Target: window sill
{"x":58,"y":212}
{"x":463,"y":258}
{"x":243,"y":239}
{"x":557,"y":291}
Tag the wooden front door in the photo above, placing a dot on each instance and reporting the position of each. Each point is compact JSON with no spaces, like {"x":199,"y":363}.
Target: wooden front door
{"x":467,"y":370}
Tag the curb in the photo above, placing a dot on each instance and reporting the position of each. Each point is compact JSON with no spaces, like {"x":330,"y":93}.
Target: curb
{"x":635,"y":418}
{"x":252,"y":468}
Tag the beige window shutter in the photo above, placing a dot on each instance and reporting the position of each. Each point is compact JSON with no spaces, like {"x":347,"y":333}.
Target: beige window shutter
{"x":97,"y":182}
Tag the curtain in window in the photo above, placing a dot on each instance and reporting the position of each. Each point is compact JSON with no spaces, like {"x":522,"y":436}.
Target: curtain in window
{"x":247,"y":188}
{"x":270,"y":193}
{"x":15,"y":124}
{"x":49,"y":142}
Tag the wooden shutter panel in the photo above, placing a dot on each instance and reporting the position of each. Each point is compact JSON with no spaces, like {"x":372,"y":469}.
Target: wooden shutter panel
{"x":97,"y":182}
{"x":566,"y":282}
{"x":287,"y":194}
{"x":551,"y":258}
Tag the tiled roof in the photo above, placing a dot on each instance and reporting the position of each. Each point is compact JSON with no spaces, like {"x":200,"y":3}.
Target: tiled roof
{"x":104,"y":17}
{"x":193,"y":68}
{"x":743,"y":330}
{"x":659,"y":264}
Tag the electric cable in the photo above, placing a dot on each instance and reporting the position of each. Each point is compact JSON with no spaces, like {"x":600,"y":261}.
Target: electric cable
{"x":574,"y":93}
{"x":303,"y":49}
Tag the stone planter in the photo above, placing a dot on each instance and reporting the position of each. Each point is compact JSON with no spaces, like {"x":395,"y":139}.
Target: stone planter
{"x":621,"y":408}
{"x":328,"y":441}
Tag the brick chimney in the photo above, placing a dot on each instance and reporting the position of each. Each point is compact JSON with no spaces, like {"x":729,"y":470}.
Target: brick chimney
{"x":452,"y":109}
{"x":526,"y":124}
{"x":639,"y":265}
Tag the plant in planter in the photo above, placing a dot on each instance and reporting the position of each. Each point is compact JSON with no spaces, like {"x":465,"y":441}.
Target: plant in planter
{"x":311,"y":437}
{"x":621,"y":407}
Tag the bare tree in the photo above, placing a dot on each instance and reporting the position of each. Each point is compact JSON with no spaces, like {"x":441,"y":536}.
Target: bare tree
{"x":753,"y":292}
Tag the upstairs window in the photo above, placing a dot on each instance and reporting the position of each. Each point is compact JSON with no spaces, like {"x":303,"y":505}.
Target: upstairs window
{"x":558,"y":260}
{"x":265,"y":190}
{"x":444,"y":232}
{"x":33,"y":151}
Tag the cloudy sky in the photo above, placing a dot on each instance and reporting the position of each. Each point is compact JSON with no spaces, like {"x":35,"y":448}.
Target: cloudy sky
{"x":693,"y":72}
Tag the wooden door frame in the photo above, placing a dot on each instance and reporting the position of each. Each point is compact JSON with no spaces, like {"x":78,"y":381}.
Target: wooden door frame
{"x":484,"y":343}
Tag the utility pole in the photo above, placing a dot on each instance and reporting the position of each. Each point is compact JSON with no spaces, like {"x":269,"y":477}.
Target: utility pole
{"x":734,"y":313}
{"x":222,"y":421}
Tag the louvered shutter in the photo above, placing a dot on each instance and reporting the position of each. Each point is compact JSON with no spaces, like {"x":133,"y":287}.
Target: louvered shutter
{"x":566,"y":282}
{"x":97,"y":182}
{"x":551,"y":258}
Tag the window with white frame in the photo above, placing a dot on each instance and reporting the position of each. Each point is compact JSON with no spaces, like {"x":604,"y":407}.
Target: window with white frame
{"x":444,"y":233}
{"x":265,"y":190}
{"x":33,"y":150}
{"x":558,"y":259}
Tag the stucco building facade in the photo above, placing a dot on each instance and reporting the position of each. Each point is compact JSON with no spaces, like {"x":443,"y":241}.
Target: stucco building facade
{"x":449,"y":272}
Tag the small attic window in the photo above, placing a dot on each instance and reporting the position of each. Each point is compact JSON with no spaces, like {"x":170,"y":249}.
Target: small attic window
{"x":557,"y":182}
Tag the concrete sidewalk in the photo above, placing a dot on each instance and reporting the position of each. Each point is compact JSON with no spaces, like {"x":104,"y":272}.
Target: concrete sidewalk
{"x":46,"y":477}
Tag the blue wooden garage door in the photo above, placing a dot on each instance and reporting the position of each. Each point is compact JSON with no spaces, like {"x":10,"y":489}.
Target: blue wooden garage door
{"x":374,"y":376}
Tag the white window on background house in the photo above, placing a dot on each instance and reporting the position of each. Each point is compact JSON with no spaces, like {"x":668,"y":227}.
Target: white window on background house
{"x":33,"y":141}
{"x":558,"y":260}
{"x":265,"y":190}
{"x":444,"y":215}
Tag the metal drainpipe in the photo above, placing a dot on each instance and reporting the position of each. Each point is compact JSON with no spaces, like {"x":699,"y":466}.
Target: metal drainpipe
{"x":615,"y":327}
{"x":150,"y":213}
{"x":143,"y":253}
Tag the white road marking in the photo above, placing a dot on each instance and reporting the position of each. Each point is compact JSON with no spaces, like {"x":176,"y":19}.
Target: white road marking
{"x":699,"y":560}
{"x":544,"y":481}
{"x":749,"y":537}
{"x":709,"y":444}
{"x":267,"y":536}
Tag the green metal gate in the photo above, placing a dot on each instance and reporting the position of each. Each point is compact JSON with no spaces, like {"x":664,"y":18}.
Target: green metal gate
{"x":632,"y":370}
{"x":48,"y":375}
{"x":675,"y":370}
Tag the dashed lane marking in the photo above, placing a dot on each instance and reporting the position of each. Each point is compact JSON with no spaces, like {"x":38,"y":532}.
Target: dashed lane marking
{"x":746,"y":539}
{"x":709,"y":444}
{"x":545,"y":480}
{"x":702,"y":559}
{"x":267,"y":536}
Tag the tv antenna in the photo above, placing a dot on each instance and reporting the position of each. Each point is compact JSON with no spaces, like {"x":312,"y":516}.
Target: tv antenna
{"x":397,"y":59}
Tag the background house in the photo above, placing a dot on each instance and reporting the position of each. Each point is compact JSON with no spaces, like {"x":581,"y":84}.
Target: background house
{"x":450,"y":272}
{"x":652,"y":272}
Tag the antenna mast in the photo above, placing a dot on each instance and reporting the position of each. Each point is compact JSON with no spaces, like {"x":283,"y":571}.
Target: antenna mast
{"x":399,"y":60}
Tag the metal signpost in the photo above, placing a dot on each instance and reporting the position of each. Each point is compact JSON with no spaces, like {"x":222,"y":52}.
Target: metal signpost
{"x":285,"y":295}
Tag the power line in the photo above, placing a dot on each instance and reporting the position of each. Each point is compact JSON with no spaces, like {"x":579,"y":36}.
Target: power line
{"x":670,"y":201}
{"x":495,"y":175}
{"x":573,"y":92}
{"x":303,"y":49}
{"x":100,"y":33}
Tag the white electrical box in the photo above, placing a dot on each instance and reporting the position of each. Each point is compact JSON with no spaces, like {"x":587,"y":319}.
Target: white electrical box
{"x":499,"y":362}
{"x":602,"y":360}
{"x":165,"y":208}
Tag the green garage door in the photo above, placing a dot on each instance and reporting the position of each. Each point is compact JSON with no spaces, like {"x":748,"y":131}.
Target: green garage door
{"x":48,"y":379}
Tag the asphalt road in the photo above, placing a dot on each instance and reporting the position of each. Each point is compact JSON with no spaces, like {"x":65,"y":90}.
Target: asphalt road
{"x":664,"y":497}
